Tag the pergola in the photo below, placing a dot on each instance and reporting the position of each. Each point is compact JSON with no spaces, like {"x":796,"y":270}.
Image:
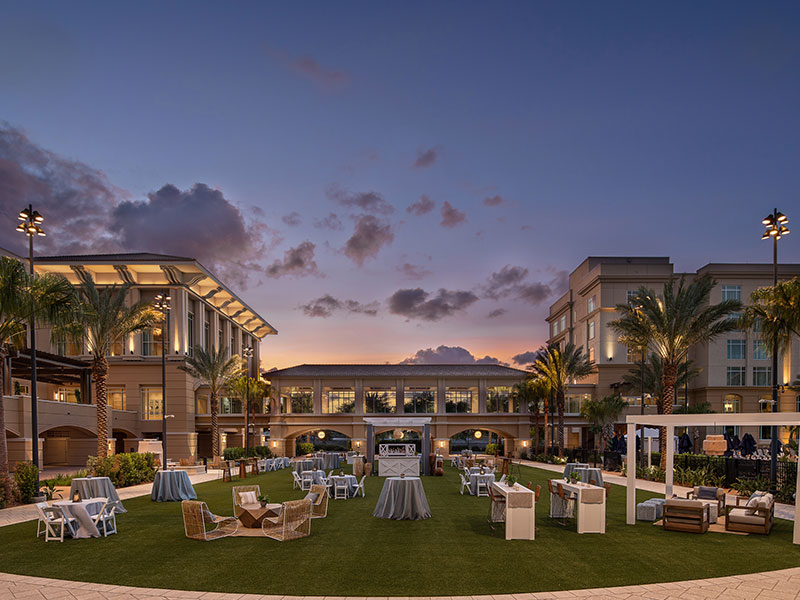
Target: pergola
{"x":704,"y":420}
{"x":51,"y":368}
{"x":423,"y":423}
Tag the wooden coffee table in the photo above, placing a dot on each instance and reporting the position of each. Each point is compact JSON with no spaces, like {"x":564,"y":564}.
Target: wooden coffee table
{"x":252,"y":515}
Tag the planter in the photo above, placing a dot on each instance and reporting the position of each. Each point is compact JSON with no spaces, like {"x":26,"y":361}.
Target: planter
{"x":38,"y":498}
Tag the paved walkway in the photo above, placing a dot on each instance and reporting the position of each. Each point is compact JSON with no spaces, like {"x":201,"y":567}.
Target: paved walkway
{"x":775,"y":585}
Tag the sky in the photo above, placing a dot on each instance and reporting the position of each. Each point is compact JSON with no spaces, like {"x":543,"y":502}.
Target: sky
{"x":401,"y":181}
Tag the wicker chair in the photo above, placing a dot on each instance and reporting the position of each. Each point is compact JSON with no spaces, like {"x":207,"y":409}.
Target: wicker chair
{"x":293,"y":523}
{"x":237,"y":490}
{"x":198,"y":520}
{"x":319,"y":508}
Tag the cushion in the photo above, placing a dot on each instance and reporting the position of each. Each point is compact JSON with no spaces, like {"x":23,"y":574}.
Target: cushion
{"x":752,"y":504}
{"x":766,"y":501}
{"x":681,"y":503}
{"x":313,"y":496}
{"x":706,"y":493}
{"x":740,"y":515}
{"x":248,"y":498}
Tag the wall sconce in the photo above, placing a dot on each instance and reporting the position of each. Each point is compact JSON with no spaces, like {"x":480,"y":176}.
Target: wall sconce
{"x":358,"y":444}
{"x":524,"y":443}
{"x":441,"y":444}
{"x":274,"y":444}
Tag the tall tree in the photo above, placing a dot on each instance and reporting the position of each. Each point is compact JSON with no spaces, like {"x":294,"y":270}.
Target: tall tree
{"x":531,"y":393}
{"x":601,"y":415}
{"x":776,"y":312}
{"x":215,"y":369}
{"x":250,"y":390}
{"x":671,"y":323}
{"x":653,"y":378}
{"x":52,"y":299}
{"x":558,"y":368}
{"x":103,"y":317}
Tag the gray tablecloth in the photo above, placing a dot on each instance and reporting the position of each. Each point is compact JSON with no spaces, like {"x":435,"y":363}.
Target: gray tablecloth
{"x":307,"y":464}
{"x":402,"y":498}
{"x":351,"y":482}
{"x":172,"y":486}
{"x":590,"y":473}
{"x":474,"y":478}
{"x":316,"y":476}
{"x":96,"y":487}
{"x":82,"y":512}
{"x":331,"y":461}
{"x":570,"y":467}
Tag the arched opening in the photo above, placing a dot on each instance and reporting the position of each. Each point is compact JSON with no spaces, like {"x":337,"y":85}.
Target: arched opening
{"x":321,"y":438}
{"x":124,"y":441}
{"x":67,"y":446}
{"x":475,"y":440}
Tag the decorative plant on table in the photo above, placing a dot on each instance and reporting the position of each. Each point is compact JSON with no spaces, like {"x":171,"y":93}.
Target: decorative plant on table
{"x":263,"y":499}
{"x":574,"y":477}
{"x":511,"y":481}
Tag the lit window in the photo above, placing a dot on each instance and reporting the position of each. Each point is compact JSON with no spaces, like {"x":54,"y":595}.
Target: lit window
{"x":498,"y":399}
{"x":203,"y":404}
{"x":731,"y":292}
{"x":759,"y":350}
{"x":420,"y":400}
{"x":736,"y":349}
{"x":732,"y":403}
{"x":590,"y":330}
{"x":461,"y":400}
{"x":297,"y":400}
{"x":67,"y":395}
{"x":151,"y":341}
{"x":591,"y":354}
{"x":735,"y":376}
{"x":762,"y":376}
{"x":573,"y":403}
{"x":633,"y":355}
{"x":338,"y":400}
{"x":591,"y":304}
{"x":380,"y":400}
{"x":116,"y":397}
{"x":152,"y":405}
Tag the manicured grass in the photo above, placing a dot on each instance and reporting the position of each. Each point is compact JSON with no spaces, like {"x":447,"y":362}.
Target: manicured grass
{"x":352,"y":553}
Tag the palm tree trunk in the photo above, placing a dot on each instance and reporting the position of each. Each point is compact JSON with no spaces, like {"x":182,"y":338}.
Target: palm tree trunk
{"x":668,"y":379}
{"x":560,"y":407}
{"x":99,"y":375}
{"x":536,"y":428}
{"x":214,"y":425}
{"x":4,"y":474}
{"x":547,"y":440}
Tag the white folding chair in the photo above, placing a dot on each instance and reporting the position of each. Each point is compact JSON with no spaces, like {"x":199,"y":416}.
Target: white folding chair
{"x":340,"y":489}
{"x":502,"y":478}
{"x":56,"y":523}
{"x":296,"y":481}
{"x":360,"y":488}
{"x":483,"y":489}
{"x":106,"y":519}
{"x":464,"y":484}
{"x":306,"y":480}
{"x":41,"y":525}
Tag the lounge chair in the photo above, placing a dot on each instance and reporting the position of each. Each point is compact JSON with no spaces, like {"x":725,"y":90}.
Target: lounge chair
{"x":293,"y":523}
{"x":238,"y":501}
{"x":319,"y":505}
{"x":198,"y":522}
{"x":685,"y":515}
{"x":751,"y":514}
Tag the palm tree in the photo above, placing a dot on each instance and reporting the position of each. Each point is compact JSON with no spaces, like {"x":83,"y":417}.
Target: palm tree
{"x":672,"y":323}
{"x":102,"y":319}
{"x":250,"y":390}
{"x":532,"y":392}
{"x":52,"y":298}
{"x":776,"y":309}
{"x":215,"y":369}
{"x":602,"y":413}
{"x":559,"y":368}
{"x":654,"y":381}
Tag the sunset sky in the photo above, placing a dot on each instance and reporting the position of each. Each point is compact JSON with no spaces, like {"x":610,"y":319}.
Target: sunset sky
{"x":378,"y":179}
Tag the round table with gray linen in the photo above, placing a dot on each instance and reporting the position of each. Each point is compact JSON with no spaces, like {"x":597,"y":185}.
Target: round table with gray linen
{"x":589,"y":473}
{"x":315,"y":476}
{"x":474,"y":478}
{"x":307,"y":464}
{"x":96,"y":487}
{"x":172,"y":486}
{"x":402,"y":498}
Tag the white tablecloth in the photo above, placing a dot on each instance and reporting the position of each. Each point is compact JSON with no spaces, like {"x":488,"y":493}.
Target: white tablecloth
{"x":83,"y":513}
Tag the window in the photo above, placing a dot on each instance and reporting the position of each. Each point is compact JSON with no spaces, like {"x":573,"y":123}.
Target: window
{"x":380,"y":400}
{"x":563,"y":323}
{"x":762,"y":376}
{"x":732,"y":292}
{"x":152,"y":405}
{"x":731,"y":403}
{"x":230,"y":406}
{"x":735,"y":376}
{"x":151,"y":342}
{"x":420,"y":400}
{"x":555,"y":328}
{"x":591,"y":354}
{"x":297,"y":400}
{"x":498,"y":399}
{"x":757,"y":325}
{"x":735,"y":317}
{"x":765,"y":432}
{"x":633,"y":355}
{"x":461,"y":400}
{"x":116,"y":397}
{"x":736,"y":349}
{"x":630,"y":295}
{"x":574,"y":402}
{"x":117,"y":348}
{"x":759,"y":350}
{"x":649,"y":400}
{"x":731,"y":430}
{"x":203,"y":404}
{"x":190,"y":333}
{"x":338,"y":400}
{"x":590,"y":330}
{"x":67,"y":395}
{"x":64,"y":348}
{"x":591,"y":304}
{"x":765,"y":405}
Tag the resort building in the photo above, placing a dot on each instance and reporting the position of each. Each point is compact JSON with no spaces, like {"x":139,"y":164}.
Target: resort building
{"x":735,"y":370}
{"x":203,"y":312}
{"x":308,"y":399}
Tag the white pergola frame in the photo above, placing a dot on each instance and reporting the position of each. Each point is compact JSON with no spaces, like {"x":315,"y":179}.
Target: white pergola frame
{"x":705,"y":420}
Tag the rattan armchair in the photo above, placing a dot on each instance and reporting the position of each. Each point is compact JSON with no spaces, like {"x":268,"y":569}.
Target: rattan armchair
{"x":293,"y":523}
{"x":319,"y":508}
{"x":200,"y":524}
{"x":239,"y":489}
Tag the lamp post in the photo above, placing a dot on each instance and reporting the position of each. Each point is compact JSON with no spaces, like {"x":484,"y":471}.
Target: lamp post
{"x":31,"y":225}
{"x":775,"y":225}
{"x":162,"y":304}
{"x":247,"y":352}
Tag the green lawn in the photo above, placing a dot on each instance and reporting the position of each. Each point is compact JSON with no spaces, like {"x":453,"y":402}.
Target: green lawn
{"x":352,"y":553}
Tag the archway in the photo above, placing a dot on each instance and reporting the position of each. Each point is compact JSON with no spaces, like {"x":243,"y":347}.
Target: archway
{"x":67,"y":445}
{"x":324,"y":438}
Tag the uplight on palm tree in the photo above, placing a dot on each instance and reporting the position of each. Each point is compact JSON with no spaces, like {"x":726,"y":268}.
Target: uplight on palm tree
{"x":654,"y":381}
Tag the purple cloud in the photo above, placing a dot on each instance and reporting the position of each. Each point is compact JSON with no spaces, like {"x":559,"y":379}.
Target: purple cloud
{"x":410,"y":271}
{"x":369,"y":236}
{"x":498,"y":312}
{"x":449,"y":355}
{"x":326,"y":305}
{"x":495,"y":200}
{"x":415,"y":303}
{"x":426,"y":158}
{"x":292,"y":219}
{"x":371,"y":202}
{"x":297,"y":261}
{"x":525,"y":358}
{"x":451,"y":216}
{"x":331,"y":222}
{"x":309,"y":68}
{"x":511,"y":281}
{"x":422,"y":206}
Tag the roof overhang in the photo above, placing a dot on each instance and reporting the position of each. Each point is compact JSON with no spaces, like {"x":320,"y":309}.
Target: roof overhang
{"x":714,"y":419}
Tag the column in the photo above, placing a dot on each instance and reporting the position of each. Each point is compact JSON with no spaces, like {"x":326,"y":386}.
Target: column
{"x":441,"y":391}
{"x":670,"y":460}
{"x":796,"y":529}
{"x":482,"y":396}
{"x":426,"y":448}
{"x":317,"y":396}
{"x":177,"y":322}
{"x":631,"y":466}
{"x":359,"y":390}
{"x":370,"y":450}
{"x":399,"y":391}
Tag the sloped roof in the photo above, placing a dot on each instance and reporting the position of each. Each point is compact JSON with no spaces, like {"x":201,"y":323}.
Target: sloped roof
{"x":407,"y":370}
{"x":120,"y":257}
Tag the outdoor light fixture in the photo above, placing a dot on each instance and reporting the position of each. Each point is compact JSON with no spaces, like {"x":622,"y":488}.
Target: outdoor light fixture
{"x":321,"y":435}
{"x":397,"y":434}
{"x":478,"y":435}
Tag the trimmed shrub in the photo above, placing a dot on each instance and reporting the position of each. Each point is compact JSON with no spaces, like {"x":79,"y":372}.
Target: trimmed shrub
{"x":125,"y":469}
{"x":26,"y":474}
{"x":233,"y":453}
{"x":304,"y":448}
{"x":491,"y":449}
{"x":261,"y":452}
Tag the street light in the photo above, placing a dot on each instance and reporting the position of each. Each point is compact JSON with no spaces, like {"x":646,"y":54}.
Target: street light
{"x":775,"y":228}
{"x":31,"y":225}
{"x":247,"y":352}
{"x":161,"y":304}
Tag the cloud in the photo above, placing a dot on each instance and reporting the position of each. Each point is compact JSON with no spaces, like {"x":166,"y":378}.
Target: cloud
{"x":410,"y":271}
{"x":326,"y":305}
{"x":292,"y":219}
{"x":525,"y":358}
{"x":414,"y":303}
{"x":426,"y":158}
{"x":525,"y":227}
{"x":331,"y":222}
{"x":511,"y":281}
{"x":371,"y":202}
{"x":498,"y":312}
{"x":449,"y":355}
{"x":495,"y":200}
{"x":369,"y":236}
{"x":308,"y":67}
{"x":297,"y":261}
{"x":501,"y":282}
{"x":422,"y":206}
{"x":451,"y":216}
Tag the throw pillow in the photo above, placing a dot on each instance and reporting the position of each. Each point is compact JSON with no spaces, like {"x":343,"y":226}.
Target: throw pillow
{"x":313,"y":496}
{"x":752,"y":504}
{"x":706,"y":493}
{"x":765,"y":501}
{"x":248,"y":498}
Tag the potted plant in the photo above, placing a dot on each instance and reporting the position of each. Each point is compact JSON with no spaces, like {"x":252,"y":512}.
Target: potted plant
{"x":264,"y":500}
{"x":511,"y":481}
{"x":574,"y":477}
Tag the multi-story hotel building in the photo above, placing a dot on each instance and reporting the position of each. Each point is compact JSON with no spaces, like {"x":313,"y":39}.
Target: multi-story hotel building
{"x":736,"y":370}
{"x":204,"y":312}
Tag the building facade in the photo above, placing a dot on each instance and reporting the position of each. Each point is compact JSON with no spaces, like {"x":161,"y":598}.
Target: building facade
{"x":203,"y":312}
{"x":735,"y":369}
